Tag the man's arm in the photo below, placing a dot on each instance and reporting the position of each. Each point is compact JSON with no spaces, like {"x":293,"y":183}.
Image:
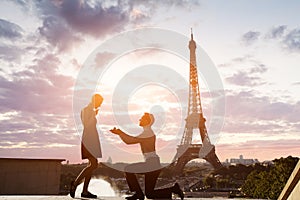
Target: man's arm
{"x":125,"y":137}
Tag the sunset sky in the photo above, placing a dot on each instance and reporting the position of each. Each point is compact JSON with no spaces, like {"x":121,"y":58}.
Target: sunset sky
{"x":254,"y":46}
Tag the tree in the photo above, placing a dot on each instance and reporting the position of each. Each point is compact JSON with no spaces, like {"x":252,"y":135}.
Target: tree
{"x":210,"y":181}
{"x":269,"y":184}
{"x":252,"y":180}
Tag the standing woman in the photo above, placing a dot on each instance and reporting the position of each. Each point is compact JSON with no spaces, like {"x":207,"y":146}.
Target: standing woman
{"x":90,"y":146}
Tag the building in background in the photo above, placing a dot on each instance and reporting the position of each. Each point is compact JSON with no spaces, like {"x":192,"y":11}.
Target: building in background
{"x":240,"y":160}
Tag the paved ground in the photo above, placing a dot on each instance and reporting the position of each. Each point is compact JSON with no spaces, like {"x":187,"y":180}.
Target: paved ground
{"x":67,"y":198}
{"x":38,"y":197}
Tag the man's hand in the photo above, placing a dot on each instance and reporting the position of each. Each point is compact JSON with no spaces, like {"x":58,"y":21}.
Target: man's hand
{"x":116,"y":131}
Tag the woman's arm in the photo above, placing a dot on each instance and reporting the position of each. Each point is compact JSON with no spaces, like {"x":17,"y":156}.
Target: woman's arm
{"x":88,"y":117}
{"x":125,"y":137}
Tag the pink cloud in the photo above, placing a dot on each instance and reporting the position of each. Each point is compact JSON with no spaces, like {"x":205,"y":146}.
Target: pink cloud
{"x":58,"y":34}
{"x":40,"y":89}
{"x":244,"y":79}
{"x":41,"y":100}
{"x":101,"y":59}
{"x":64,"y":22}
{"x":70,"y":20}
{"x":247,"y":106}
{"x":10,"y":30}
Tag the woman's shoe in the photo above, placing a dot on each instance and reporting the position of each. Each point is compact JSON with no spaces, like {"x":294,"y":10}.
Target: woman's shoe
{"x":176,"y":190}
{"x":89,"y":195}
{"x":72,"y":189}
{"x":135,"y":197}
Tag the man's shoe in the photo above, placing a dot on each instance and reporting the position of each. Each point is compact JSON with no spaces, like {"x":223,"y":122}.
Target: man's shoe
{"x":72,"y":189}
{"x":135,"y":197}
{"x":176,"y":190}
{"x":89,"y":195}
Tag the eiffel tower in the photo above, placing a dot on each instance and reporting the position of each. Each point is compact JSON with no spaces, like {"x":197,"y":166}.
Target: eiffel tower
{"x":187,"y":151}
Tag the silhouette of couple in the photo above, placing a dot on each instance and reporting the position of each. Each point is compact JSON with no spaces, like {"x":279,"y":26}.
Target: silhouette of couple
{"x":151,"y":168}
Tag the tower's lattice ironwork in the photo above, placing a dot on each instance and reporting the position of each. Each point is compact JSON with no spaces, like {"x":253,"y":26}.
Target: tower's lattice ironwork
{"x":187,"y":151}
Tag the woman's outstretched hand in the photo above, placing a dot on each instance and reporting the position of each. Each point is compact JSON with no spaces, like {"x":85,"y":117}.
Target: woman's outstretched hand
{"x":116,"y":131}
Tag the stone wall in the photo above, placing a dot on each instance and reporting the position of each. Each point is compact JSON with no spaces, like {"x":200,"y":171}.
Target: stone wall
{"x":29,"y":176}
